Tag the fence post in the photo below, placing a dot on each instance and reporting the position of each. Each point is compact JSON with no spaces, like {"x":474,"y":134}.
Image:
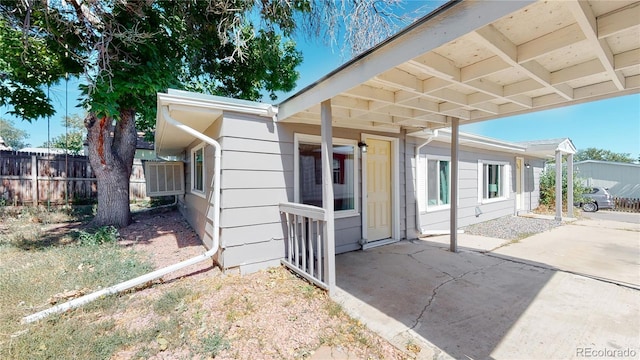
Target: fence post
{"x":34,"y":178}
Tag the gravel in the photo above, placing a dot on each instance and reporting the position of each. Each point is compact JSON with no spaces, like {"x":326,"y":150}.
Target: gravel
{"x":511,"y":227}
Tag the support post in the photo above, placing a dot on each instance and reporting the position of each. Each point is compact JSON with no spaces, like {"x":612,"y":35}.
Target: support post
{"x":326,"y":130}
{"x":570,"y":185}
{"x":453,"y":246}
{"x":558,"y":185}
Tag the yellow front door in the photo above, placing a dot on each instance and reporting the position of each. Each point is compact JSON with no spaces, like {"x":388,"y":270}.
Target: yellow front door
{"x":378,"y":196}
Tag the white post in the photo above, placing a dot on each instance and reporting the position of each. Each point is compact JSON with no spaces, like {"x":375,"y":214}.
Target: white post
{"x":570,"y":185}
{"x":326,"y":131}
{"x":558,"y":185}
{"x":453,"y":246}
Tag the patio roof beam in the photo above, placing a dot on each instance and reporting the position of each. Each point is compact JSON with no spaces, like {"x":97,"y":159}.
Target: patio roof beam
{"x":616,"y":22}
{"x":589,"y":24}
{"x":449,"y":76}
{"x":350,"y":123}
{"x":484,"y":68}
{"x":626,"y":60}
{"x":578,"y":71}
{"x":508,"y":51}
{"x":452,"y":21}
{"x":380,"y":99}
{"x":553,"y":41}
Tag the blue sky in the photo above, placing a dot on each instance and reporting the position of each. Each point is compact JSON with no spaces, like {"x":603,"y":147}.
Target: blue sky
{"x":612,"y":124}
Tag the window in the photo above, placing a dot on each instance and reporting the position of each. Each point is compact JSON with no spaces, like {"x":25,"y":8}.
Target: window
{"x":308,"y":169}
{"x":438,"y":183}
{"x":197,"y":169}
{"x":493,"y":180}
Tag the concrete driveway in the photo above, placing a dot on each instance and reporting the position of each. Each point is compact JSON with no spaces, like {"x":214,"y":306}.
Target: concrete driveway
{"x":614,"y":216}
{"x":608,"y":250}
{"x":525,"y":300}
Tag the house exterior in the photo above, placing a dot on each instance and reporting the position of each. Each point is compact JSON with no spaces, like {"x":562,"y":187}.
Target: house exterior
{"x":249,"y":167}
{"x":265,"y":163}
{"x":622,"y":179}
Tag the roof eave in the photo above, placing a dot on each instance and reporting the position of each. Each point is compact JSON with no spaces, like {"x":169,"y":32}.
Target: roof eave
{"x":447,"y":23}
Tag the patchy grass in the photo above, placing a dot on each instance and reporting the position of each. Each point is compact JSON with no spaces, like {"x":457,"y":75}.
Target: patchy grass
{"x":271,"y":314}
{"x":41,"y":260}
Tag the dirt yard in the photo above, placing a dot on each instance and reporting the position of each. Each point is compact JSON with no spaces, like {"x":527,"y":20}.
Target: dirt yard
{"x":271,"y":314}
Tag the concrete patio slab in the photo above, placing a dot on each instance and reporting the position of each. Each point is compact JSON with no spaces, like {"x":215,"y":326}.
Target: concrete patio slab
{"x":469,"y":305}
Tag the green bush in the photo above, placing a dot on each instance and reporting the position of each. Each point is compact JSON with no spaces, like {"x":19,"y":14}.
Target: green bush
{"x":548,"y":187}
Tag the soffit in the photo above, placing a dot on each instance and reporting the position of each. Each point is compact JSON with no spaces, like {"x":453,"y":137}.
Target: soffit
{"x":480,"y":61}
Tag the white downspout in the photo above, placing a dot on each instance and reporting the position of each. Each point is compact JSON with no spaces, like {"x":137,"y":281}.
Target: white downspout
{"x":418,"y":222}
{"x":217,"y":172}
{"x":160,"y":272}
{"x":418,"y":148}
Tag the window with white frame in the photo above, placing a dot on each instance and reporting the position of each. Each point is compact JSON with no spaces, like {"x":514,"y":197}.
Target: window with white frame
{"x":308,"y":170}
{"x":197,"y":169}
{"x":493,"y":180}
{"x":438,"y":190}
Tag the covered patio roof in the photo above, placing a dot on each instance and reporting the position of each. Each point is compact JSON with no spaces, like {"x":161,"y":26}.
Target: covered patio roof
{"x":482,"y":60}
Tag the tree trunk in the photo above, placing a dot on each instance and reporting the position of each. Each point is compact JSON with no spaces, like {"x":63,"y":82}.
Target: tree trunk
{"x":111,"y":151}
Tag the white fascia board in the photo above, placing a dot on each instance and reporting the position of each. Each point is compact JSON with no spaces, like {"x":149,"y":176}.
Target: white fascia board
{"x":471,"y":140}
{"x":480,"y":141}
{"x":450,"y":22}
{"x":178,"y":97}
{"x":197,"y":103}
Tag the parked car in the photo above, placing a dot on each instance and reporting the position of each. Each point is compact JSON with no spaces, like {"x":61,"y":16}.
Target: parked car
{"x":595,"y":198}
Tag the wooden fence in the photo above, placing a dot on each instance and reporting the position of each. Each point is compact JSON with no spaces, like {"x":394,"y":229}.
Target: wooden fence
{"x":31,"y":178}
{"x":626,"y":204}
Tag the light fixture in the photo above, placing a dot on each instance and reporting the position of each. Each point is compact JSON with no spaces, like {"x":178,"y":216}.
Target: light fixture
{"x":478,"y":211}
{"x":363,"y":146}
{"x":527,"y":165}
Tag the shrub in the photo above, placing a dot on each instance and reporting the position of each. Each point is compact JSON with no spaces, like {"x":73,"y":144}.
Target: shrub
{"x":102,"y":235}
{"x":548,"y":187}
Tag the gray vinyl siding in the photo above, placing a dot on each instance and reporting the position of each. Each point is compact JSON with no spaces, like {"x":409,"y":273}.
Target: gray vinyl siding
{"x":349,"y":229}
{"x":194,"y":207}
{"x":257,"y":175}
{"x":468,"y":187}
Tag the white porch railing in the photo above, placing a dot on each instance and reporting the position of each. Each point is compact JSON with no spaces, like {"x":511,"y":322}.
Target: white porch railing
{"x":305,"y":242}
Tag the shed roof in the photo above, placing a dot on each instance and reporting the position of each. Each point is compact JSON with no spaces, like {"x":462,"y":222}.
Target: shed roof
{"x":607,"y":163}
{"x":482,"y":60}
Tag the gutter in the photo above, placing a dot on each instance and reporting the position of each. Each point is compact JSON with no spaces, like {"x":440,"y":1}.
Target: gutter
{"x":189,"y":100}
{"x":160,"y":272}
